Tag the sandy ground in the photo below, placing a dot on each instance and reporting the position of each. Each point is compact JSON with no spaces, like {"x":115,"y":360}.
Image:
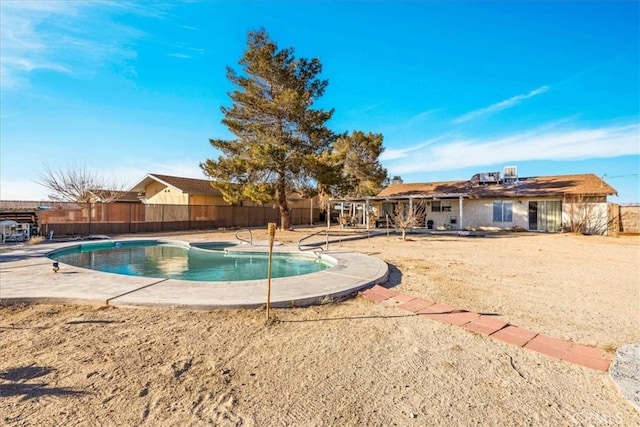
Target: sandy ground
{"x":348,"y":363}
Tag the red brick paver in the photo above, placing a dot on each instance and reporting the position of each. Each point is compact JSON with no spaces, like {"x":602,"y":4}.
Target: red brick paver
{"x":582,"y":355}
{"x":485,"y":325}
{"x":547,"y":345}
{"x":388,"y":293}
{"x":401,"y":298}
{"x":458,"y":317}
{"x":415,"y":305}
{"x":590,"y":357}
{"x":379,"y":293}
{"x":514,"y":335}
{"x":373,"y":296}
{"x":436,"y":309}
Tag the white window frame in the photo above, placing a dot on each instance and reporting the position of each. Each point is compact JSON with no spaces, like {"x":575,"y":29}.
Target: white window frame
{"x":443,"y":206}
{"x":505,"y":210}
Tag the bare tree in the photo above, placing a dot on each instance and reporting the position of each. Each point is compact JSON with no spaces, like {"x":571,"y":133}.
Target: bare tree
{"x":77,"y":183}
{"x":585,"y":215}
{"x":408,"y":216}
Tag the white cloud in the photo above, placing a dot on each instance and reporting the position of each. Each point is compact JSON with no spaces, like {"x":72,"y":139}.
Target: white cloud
{"x":502,"y":105}
{"x":538,"y":144}
{"x":179,"y":55}
{"x":420,"y":118}
{"x":70,"y":37}
{"x":399,"y":153}
{"x":365,"y":108}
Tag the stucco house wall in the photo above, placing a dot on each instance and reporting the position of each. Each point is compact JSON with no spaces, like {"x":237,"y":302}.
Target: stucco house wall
{"x":589,"y":216}
{"x":478,"y":213}
{"x":443,"y":219}
{"x":158,"y":193}
{"x":543,"y":203}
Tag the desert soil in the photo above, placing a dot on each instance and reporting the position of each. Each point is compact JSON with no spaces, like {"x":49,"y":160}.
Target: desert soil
{"x":347,"y":363}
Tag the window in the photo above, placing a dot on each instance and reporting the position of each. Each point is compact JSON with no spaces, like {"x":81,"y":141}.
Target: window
{"x":502,"y":211}
{"x":440,"y":206}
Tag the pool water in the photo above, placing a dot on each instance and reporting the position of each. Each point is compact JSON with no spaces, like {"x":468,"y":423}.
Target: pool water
{"x":163,"y":260}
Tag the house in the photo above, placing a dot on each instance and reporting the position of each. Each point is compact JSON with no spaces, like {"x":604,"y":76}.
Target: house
{"x":498,"y":202}
{"x":172,"y":190}
{"x":109,"y":196}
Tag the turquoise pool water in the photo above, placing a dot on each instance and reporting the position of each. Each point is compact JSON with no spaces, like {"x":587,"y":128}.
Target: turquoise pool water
{"x":204,"y":262}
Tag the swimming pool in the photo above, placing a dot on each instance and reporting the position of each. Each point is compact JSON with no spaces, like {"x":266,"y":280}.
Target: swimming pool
{"x":209,"y":262}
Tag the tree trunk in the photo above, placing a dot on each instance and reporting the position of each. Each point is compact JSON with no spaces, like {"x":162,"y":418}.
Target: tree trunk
{"x":285,"y":217}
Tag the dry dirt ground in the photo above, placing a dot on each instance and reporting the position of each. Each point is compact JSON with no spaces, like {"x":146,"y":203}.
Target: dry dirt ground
{"x":348,"y":363}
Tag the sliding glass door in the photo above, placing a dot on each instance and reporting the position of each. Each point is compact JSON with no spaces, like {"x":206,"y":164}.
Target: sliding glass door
{"x":545,"y":216}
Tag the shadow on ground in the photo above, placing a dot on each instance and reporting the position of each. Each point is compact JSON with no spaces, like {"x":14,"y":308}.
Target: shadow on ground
{"x":18,"y":386}
{"x":394,"y":278}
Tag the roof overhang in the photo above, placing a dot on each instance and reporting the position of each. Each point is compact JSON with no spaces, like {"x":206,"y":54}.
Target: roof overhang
{"x":148,"y":179}
{"x":399,"y":198}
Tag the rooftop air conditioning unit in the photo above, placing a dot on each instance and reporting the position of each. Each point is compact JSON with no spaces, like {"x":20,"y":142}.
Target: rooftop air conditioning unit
{"x":510,"y":173}
{"x":488,"y":177}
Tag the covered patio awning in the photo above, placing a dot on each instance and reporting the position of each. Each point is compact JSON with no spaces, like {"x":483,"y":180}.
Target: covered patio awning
{"x":399,"y":198}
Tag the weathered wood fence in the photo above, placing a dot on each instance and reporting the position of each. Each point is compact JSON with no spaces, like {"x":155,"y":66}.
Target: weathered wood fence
{"x":121,"y":218}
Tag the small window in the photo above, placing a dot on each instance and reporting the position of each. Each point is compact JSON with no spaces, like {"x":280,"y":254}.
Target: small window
{"x":440,"y":206}
{"x":502,"y":211}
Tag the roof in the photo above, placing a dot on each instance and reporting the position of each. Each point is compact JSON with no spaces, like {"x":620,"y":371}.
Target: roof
{"x":116,"y":195}
{"x":186,"y":185}
{"x":537,"y":186}
{"x":422,"y":188}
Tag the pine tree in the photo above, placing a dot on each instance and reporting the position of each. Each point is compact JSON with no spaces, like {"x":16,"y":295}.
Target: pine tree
{"x":361,"y":172}
{"x":279,"y":138}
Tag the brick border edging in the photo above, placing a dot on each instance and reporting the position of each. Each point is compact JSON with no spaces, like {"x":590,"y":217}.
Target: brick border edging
{"x":589,"y":357}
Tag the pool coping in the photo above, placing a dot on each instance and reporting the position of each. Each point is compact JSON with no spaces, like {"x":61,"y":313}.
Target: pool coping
{"x":27,"y":276}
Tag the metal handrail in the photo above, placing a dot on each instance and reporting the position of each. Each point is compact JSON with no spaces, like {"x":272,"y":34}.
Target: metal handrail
{"x":250,"y":242}
{"x":311,"y":247}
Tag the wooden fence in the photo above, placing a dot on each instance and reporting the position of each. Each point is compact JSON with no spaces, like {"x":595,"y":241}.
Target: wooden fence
{"x":122,"y":218}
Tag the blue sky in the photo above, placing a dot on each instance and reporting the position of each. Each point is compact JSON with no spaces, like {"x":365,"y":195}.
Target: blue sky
{"x":456,"y":88}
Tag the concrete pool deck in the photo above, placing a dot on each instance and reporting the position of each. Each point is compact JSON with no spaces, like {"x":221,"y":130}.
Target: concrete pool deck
{"x":27,"y":276}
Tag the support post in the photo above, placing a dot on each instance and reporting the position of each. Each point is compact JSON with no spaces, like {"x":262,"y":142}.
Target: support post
{"x":328,"y":214}
{"x":460,"y":210}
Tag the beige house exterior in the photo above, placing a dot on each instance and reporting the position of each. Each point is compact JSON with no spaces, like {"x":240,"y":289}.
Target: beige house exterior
{"x":110,"y":196}
{"x":173,"y":190}
{"x":490,"y":201}
{"x":156,"y":189}
{"x":174,"y":194}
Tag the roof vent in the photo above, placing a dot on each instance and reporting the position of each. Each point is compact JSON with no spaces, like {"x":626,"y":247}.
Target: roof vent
{"x":396,"y":180}
{"x":510,"y":174}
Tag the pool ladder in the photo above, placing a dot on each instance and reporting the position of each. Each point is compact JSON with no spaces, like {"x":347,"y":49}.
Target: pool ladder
{"x":315,"y":246}
{"x":250,"y":241}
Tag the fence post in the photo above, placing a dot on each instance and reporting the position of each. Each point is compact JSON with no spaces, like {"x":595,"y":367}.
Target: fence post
{"x":235,"y":217}
{"x":272,"y":233}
